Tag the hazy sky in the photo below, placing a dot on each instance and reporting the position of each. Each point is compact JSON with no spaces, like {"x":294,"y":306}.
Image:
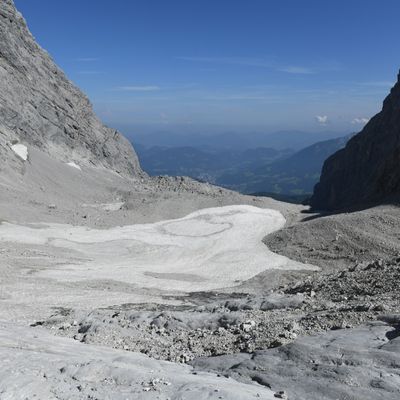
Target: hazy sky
{"x":250,"y":64}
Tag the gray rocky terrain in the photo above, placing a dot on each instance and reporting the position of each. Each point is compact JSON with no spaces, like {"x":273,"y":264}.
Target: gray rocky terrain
{"x":214,"y":323}
{"x":340,"y":240}
{"x":342,"y":364}
{"x":309,"y":312}
{"x":44,"y":367}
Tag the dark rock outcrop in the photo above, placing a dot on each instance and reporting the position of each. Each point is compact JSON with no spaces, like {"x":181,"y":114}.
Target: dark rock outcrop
{"x":39,"y":106}
{"x":367,"y":170}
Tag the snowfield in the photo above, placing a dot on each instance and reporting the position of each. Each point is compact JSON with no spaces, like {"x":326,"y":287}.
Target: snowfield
{"x":208,"y":249}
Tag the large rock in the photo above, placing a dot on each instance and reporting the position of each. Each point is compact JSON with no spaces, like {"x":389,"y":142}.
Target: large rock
{"x":367,"y":170}
{"x":39,"y":106}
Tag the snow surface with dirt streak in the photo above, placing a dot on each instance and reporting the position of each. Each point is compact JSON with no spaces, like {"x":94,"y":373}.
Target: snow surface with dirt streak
{"x":208,"y":249}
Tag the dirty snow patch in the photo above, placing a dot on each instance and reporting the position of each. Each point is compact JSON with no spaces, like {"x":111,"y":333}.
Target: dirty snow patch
{"x":73,"y":165}
{"x":218,"y":247}
{"x":20,"y":150}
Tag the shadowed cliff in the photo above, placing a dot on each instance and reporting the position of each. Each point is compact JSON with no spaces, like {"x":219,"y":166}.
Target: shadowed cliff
{"x":367,"y":170}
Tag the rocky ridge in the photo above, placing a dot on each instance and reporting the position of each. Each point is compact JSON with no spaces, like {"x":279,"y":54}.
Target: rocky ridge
{"x":40,"y":107}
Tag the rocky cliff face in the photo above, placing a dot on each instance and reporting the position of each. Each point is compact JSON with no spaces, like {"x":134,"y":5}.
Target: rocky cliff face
{"x":39,"y":106}
{"x":367,"y":170}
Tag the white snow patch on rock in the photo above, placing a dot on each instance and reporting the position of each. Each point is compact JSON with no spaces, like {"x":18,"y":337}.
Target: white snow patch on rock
{"x":208,"y":249}
{"x":106,"y":206}
{"x":73,"y":165}
{"x":20,"y":150}
{"x":112,"y":206}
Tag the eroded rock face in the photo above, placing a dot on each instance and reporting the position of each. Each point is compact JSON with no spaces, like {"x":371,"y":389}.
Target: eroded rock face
{"x":39,"y":106}
{"x":367,"y":170}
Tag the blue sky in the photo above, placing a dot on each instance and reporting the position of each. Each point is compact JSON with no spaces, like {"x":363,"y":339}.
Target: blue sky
{"x":229,"y":64}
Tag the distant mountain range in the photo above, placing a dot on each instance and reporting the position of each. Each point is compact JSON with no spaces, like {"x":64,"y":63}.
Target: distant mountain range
{"x":281,"y":172}
{"x":233,"y":141}
{"x":201,"y":164}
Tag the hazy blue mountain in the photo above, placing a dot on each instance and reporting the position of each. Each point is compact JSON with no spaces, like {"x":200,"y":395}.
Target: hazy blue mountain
{"x":234,"y":141}
{"x":203,"y":164}
{"x":294,"y":175}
